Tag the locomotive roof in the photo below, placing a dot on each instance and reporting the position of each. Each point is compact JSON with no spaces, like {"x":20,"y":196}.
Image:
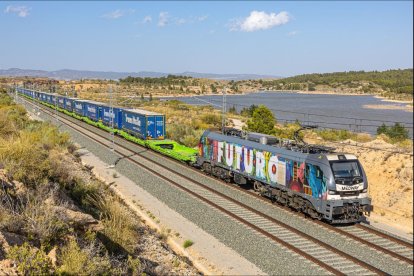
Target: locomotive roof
{"x":255,"y":145}
{"x":290,"y":154}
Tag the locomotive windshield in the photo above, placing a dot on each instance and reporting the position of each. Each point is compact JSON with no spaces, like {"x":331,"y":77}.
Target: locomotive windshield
{"x":346,"y":169}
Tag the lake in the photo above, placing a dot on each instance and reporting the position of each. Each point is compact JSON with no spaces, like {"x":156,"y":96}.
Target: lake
{"x":324,"y":110}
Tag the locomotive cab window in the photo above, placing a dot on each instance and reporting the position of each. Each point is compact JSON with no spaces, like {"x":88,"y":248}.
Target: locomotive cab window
{"x":346,"y":169}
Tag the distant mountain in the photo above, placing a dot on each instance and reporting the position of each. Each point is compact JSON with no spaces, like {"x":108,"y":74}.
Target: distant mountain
{"x":67,"y":74}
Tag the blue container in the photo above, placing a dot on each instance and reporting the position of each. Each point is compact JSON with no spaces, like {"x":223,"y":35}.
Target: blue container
{"x":92,"y":110}
{"x":144,"y":124}
{"x":54,"y":99}
{"x":61,"y":101}
{"x":48,"y":98}
{"x":69,"y":104}
{"x":41,"y":96}
{"x":107,"y":116}
{"x":79,"y":107}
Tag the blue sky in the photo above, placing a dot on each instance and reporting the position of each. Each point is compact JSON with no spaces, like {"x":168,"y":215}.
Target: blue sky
{"x":277,"y":38}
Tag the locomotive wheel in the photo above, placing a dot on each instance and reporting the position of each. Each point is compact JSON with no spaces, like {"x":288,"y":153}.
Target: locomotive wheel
{"x":257,"y":186}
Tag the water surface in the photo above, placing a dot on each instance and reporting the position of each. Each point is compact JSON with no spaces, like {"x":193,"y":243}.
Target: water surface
{"x":324,"y":110}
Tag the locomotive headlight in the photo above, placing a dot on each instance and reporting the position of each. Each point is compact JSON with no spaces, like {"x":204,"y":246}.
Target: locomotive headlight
{"x":364,"y":190}
{"x":331,"y":192}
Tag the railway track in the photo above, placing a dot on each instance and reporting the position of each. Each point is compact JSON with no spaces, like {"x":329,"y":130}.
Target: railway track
{"x":317,"y":251}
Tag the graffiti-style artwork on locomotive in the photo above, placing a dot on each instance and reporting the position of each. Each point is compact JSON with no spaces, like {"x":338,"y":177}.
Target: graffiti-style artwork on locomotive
{"x":298,"y":176}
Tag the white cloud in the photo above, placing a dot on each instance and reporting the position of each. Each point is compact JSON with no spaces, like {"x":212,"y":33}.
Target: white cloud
{"x":117,"y":14}
{"x":259,"y":20}
{"x":113,"y":15}
{"x":202,"y":18}
{"x":180,"y":21}
{"x":21,"y":11}
{"x":292,"y":33}
{"x":147,"y":19}
{"x":163,"y":19}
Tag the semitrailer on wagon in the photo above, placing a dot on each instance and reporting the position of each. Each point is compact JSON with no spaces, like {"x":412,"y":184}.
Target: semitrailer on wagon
{"x":61,"y":101}
{"x":323,"y":184}
{"x":109,"y":115}
{"x":144,"y":124}
{"x":79,"y":107}
{"x":69,"y":104}
{"x":91,"y":110}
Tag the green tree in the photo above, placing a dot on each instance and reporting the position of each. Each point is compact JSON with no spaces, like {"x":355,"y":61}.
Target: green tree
{"x":383,"y":129}
{"x":262,"y":121}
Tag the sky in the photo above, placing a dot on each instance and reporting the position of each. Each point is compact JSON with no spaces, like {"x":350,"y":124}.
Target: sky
{"x":247,"y":37}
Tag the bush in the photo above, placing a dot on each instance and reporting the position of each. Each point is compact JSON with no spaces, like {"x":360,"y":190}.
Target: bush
{"x":335,"y":134}
{"x":262,"y":121}
{"x":188,"y":243}
{"x":119,"y":227}
{"x":30,"y":260}
{"x":212,"y":119}
{"x":76,"y":261}
{"x":397,"y":132}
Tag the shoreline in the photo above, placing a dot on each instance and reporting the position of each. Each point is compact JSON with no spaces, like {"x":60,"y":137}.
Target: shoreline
{"x":384,"y":99}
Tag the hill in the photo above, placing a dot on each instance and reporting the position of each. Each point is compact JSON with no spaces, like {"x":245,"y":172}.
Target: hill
{"x":391,"y":83}
{"x":67,"y":74}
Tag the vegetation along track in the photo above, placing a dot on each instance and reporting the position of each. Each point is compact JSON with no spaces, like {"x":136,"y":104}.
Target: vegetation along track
{"x":311,"y":248}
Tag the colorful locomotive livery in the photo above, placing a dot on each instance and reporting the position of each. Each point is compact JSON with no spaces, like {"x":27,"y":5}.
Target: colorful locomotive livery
{"x":318,"y":184}
{"x":325,"y":185}
{"x":267,"y":166}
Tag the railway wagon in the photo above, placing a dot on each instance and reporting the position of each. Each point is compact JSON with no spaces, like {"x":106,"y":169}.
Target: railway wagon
{"x":329,"y":186}
{"x":69,"y":104}
{"x":107,"y":115}
{"x":48,"y":98}
{"x":91,"y":110}
{"x":144,"y":124}
{"x":79,"y":107}
{"x":61,"y":101}
{"x":36,"y":95}
{"x":42,"y":97}
{"x":54,"y":98}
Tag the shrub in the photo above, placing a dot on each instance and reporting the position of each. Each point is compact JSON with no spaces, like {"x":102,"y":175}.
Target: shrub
{"x":335,"y":134}
{"x":30,"y":260}
{"x":212,"y":119}
{"x":119,"y":227}
{"x":134,"y":266}
{"x":188,"y":243}
{"x":262,"y":121}
{"x":76,"y":261}
{"x":397,"y":132}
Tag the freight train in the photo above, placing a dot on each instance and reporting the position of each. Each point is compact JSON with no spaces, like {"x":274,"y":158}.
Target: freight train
{"x":311,"y":179}
{"x":140,"y":123}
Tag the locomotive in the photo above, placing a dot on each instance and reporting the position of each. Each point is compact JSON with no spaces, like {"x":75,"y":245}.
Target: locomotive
{"x":314,"y":180}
